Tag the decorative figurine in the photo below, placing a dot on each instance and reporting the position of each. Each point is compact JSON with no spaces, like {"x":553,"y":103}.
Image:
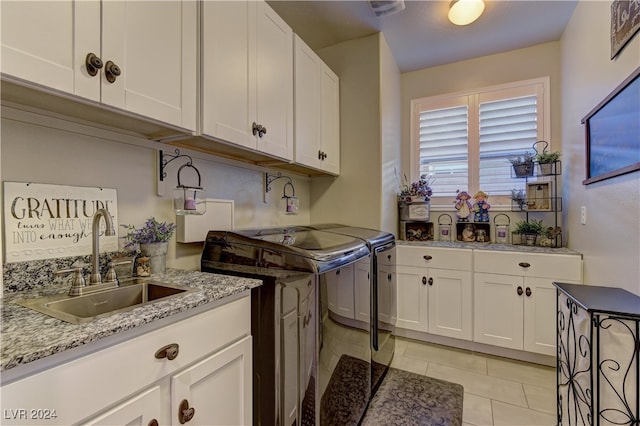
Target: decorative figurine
{"x":481,"y":207}
{"x":463,"y":206}
{"x":143,"y":268}
{"x":469,"y":233}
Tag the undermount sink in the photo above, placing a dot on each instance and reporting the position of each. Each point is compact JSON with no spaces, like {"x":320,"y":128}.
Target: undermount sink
{"x":85,"y":308}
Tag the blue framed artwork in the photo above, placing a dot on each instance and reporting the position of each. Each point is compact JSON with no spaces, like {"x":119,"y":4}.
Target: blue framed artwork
{"x":612,"y":133}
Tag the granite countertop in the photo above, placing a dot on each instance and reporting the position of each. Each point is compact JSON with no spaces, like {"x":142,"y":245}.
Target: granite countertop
{"x":28,"y":335}
{"x":490,"y":246}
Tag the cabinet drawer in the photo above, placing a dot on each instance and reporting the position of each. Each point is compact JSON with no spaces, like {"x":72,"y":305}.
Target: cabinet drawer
{"x":542,"y":265}
{"x":443,"y":258}
{"x":86,"y":385}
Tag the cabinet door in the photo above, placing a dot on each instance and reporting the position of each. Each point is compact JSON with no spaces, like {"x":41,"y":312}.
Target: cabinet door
{"x":340,"y":291}
{"x":362,"y":290}
{"x":274,"y":82}
{"x":154,"y":43}
{"x":540,"y":316}
{"x":309,"y":315}
{"x":330,"y":119}
{"x":307,"y":105}
{"x":412,"y":294}
{"x":289,"y":365}
{"x":218,"y":388}
{"x":71,"y":30}
{"x":498,"y":310}
{"x":450,"y":303}
{"x":387,"y":297}
{"x":140,"y":410}
{"x":226,"y":71}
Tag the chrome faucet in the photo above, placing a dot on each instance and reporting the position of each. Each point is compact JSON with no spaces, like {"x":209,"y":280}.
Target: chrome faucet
{"x":109,"y":231}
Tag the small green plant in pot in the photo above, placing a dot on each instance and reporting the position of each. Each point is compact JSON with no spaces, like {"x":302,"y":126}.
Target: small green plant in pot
{"x":522,"y":164}
{"x":519,"y":198}
{"x":546,"y":162}
{"x":530,"y":229}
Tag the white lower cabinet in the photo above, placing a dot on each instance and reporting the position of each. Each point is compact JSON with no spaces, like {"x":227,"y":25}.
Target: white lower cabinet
{"x":431,"y":299}
{"x":340,"y":295}
{"x":213,"y":391}
{"x":141,"y":409}
{"x":499,"y":298}
{"x":362,"y":290}
{"x":216,"y":389}
{"x":514,"y":298}
{"x":133,"y":383}
{"x":436,"y":301}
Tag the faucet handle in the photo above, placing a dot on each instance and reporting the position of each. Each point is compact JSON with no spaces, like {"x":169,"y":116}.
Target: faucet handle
{"x":77,"y":283}
{"x":111,"y":273}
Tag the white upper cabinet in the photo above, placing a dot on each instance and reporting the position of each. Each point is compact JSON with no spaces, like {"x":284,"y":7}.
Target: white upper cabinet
{"x":145,"y":53}
{"x":71,"y":31}
{"x":317,"y":111}
{"x":247,"y":76}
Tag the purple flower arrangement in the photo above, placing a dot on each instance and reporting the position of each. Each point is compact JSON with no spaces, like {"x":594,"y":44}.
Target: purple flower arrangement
{"x":421,"y":188}
{"x":152,"y":232}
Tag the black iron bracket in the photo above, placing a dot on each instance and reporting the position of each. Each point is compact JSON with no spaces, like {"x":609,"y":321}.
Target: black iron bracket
{"x":270,"y":178}
{"x":165,"y":159}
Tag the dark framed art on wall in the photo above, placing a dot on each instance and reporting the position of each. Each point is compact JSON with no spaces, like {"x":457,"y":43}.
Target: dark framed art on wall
{"x":625,"y":23}
{"x":612,"y":133}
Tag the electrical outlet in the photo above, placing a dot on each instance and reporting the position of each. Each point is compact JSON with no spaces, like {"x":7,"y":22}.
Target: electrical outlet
{"x":583,"y":215}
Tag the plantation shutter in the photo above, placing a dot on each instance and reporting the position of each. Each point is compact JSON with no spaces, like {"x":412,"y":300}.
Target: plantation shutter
{"x":508,"y":128}
{"x":444,"y":139}
{"x":465,"y":140}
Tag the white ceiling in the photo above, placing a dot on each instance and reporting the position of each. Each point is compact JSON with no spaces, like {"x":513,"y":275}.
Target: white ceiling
{"x":421,"y":36}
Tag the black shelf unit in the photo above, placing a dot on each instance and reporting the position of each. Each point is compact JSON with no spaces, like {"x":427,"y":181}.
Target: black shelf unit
{"x":598,"y":356}
{"x":541,"y":194}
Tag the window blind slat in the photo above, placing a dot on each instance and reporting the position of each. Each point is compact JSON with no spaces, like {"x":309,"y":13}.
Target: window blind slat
{"x":506,"y":127}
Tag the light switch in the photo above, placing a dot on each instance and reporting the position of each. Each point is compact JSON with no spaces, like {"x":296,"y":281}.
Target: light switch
{"x":583,"y":215}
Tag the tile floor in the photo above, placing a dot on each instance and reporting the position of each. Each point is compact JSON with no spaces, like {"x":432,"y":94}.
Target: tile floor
{"x":497,"y":391}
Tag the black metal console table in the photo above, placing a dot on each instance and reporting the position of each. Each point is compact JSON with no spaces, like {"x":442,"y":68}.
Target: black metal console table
{"x":598,"y":341}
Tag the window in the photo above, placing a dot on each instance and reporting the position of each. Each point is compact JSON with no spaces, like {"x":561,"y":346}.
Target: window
{"x":465,"y":140}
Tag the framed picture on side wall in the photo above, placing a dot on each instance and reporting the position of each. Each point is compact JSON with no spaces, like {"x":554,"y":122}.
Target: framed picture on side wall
{"x":612,"y":133}
{"x":625,"y":23}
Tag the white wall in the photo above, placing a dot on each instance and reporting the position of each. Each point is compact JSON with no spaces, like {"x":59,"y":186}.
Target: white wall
{"x":44,"y":150}
{"x":516,"y":65}
{"x":364,"y":194}
{"x":610,"y":241}
{"x":391,"y":150}
{"x":353,"y":198}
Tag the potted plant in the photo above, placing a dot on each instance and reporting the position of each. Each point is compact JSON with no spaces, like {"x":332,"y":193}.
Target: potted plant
{"x":413,"y":200}
{"x":153,"y":238}
{"x":522,"y":164}
{"x":530,"y":229}
{"x":546,"y":161}
{"x":518,"y":196}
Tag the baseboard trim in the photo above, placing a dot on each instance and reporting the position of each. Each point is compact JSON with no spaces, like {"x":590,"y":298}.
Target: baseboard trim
{"x":478,"y":347}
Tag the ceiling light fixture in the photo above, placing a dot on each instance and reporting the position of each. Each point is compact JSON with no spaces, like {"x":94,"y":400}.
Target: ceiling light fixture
{"x":386,"y":7}
{"x":464,"y":12}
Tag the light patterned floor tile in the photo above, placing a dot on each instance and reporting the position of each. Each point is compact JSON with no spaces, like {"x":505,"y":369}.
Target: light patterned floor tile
{"x":409,"y":364}
{"x":476,"y":410}
{"x":511,"y":415}
{"x":442,"y":355}
{"x":541,"y":399}
{"x":523,"y":372}
{"x":481,"y":384}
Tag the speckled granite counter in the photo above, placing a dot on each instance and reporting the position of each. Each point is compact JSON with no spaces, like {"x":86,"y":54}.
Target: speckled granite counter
{"x":29,"y":336}
{"x":489,"y":246}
